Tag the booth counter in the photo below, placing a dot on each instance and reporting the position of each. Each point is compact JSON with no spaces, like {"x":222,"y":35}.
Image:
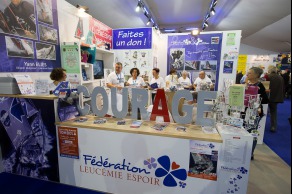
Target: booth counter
{"x":119,"y":159}
{"x":28,"y":135}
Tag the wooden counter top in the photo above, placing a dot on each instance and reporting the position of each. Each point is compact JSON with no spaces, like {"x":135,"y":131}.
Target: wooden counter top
{"x":193,"y":132}
{"x":48,"y":97}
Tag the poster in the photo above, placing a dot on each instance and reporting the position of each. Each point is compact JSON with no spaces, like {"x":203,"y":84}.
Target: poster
{"x":236,"y":95}
{"x":68,"y":142}
{"x":26,"y":46}
{"x":28,"y":138}
{"x":231,"y":39}
{"x":228,"y":67}
{"x":25,"y":84}
{"x":195,"y":54}
{"x":203,"y":160}
{"x":99,"y":33}
{"x":70,"y":58}
{"x":242,"y":64}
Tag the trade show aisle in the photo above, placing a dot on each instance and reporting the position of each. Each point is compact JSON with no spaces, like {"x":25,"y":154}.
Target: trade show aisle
{"x":280,"y":142}
{"x":268,"y":173}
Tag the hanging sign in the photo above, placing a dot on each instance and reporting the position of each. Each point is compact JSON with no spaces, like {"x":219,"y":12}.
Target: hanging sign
{"x":140,"y":38}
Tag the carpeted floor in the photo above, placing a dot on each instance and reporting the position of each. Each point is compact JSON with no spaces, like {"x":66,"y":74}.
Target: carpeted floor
{"x":14,"y":184}
{"x":280,"y":142}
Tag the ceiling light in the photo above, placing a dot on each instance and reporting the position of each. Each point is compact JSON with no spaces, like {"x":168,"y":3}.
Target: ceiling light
{"x":149,"y":22}
{"x":190,"y":29}
{"x":169,"y":30}
{"x":215,"y":3}
{"x":206,"y":24}
{"x":207,"y":17}
{"x":213,"y":12}
{"x":196,"y":32}
{"x":82,"y":8}
{"x":138,"y":7}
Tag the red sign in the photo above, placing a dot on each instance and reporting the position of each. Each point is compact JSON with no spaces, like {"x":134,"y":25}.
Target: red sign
{"x":68,"y":142}
{"x":101,"y":32}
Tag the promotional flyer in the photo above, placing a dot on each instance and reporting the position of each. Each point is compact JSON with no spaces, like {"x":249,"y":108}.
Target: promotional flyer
{"x":29,"y":36}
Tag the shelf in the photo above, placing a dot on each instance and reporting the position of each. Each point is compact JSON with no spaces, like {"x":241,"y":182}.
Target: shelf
{"x":86,"y":64}
{"x":103,"y":51}
{"x":86,"y":82}
{"x":90,"y":81}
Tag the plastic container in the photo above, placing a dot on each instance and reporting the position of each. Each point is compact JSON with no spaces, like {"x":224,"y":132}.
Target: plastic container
{"x":8,"y":85}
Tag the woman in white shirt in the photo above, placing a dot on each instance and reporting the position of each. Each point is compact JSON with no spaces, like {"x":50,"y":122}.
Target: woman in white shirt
{"x":185,"y":81}
{"x":156,"y":82}
{"x":171,"y":79}
{"x":135,"y":81}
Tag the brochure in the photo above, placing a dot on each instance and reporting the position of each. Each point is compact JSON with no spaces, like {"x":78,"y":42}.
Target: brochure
{"x":136,"y":124}
{"x":160,"y":126}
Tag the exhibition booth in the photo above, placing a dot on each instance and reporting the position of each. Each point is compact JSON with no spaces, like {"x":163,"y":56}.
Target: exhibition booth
{"x":87,"y":136}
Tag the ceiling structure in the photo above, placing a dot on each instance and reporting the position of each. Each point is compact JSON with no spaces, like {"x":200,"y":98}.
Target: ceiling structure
{"x":265,"y":24}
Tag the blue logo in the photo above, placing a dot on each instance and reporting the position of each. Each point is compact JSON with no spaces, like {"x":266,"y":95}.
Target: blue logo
{"x":243,"y":170}
{"x":211,"y":146}
{"x":170,"y":172}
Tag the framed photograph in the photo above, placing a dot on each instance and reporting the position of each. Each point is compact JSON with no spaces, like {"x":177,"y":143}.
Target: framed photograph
{"x":44,"y":11}
{"x":177,"y":58}
{"x":209,"y":65}
{"x":17,"y":47}
{"x":192,"y":65}
{"x":18,"y":19}
{"x":47,"y":34}
{"x":45,"y":51}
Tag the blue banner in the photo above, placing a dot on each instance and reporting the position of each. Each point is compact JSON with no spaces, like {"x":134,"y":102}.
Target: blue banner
{"x":133,"y":39}
{"x":33,"y":44}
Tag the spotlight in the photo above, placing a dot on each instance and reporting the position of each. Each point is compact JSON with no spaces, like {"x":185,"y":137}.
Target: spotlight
{"x":82,"y":8}
{"x":169,"y":30}
{"x":196,"y":32}
{"x":149,"y":22}
{"x":206,"y":24}
{"x":213,"y":12}
{"x":204,"y":28}
{"x":207,"y":17}
{"x":215,"y":3}
{"x":138,"y":7}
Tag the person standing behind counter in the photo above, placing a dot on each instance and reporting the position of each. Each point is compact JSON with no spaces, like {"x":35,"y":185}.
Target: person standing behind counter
{"x":185,"y":81}
{"x":171,"y":79}
{"x":57,"y":75}
{"x":156,"y":82}
{"x":202,"y":79}
{"x":135,"y":80}
{"x":116,"y":79}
